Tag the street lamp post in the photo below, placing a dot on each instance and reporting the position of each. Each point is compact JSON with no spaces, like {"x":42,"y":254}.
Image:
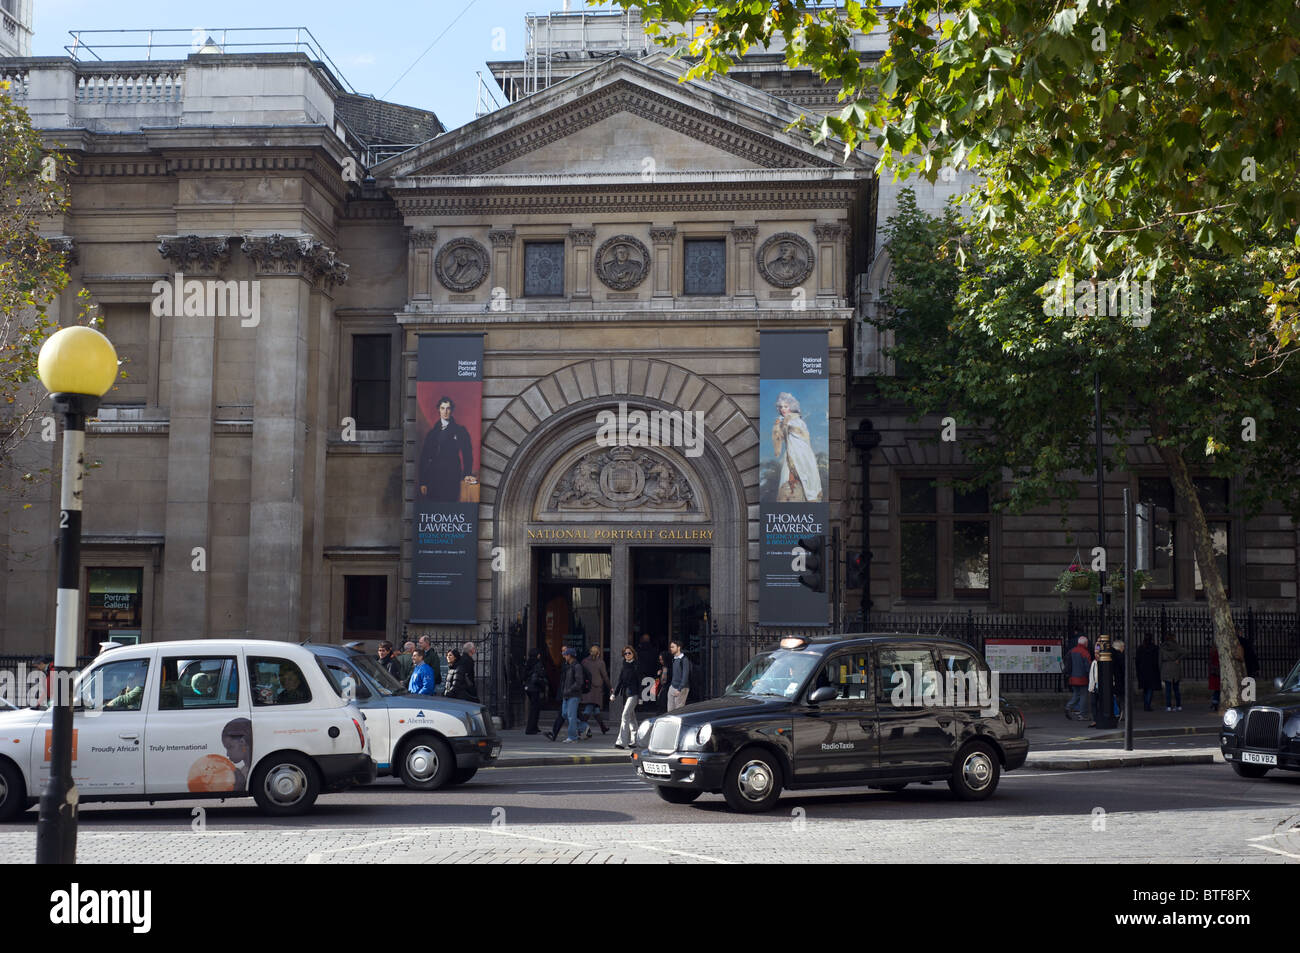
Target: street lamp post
{"x":77,"y":365}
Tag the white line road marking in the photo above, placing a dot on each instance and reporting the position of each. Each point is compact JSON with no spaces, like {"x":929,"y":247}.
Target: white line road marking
{"x":669,"y":850}
{"x":315,"y":857}
{"x":1275,"y":851}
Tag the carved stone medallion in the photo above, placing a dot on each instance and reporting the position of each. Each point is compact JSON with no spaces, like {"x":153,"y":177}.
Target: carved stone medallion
{"x":623,"y":478}
{"x":785,"y":260}
{"x":461,"y":264}
{"x":622,"y":263}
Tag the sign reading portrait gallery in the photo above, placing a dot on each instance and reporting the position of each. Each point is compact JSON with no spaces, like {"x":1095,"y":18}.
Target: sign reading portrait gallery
{"x":794,"y":430}
{"x":449,"y":426}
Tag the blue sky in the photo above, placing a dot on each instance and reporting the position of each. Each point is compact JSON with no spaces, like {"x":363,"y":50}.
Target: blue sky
{"x":372,"y":43}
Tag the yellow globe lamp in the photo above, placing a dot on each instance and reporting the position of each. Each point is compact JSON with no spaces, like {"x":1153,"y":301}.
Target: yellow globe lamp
{"x":77,"y":360}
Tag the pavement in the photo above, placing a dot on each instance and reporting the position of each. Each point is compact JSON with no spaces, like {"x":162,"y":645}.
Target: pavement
{"x":1055,"y":743}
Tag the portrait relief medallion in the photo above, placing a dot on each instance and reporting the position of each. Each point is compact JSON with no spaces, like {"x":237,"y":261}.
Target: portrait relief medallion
{"x":785,"y":260}
{"x":622,"y":263}
{"x":461,"y":265}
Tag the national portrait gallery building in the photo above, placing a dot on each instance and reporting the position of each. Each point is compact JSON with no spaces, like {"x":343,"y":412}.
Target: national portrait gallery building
{"x":577,"y":362}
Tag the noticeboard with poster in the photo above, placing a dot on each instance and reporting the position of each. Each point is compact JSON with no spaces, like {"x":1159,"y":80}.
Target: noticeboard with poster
{"x":1023,"y":656}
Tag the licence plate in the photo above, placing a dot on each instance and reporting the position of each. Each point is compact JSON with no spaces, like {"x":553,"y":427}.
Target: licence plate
{"x":1252,"y":757}
{"x":496,"y":750}
{"x":655,"y":767}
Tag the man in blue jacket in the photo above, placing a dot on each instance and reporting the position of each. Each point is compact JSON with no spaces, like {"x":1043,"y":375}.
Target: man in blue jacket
{"x":680,"y":686}
{"x":423,"y":681}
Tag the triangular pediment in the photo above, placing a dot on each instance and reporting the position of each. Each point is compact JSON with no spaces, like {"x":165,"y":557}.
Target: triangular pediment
{"x":627,"y":116}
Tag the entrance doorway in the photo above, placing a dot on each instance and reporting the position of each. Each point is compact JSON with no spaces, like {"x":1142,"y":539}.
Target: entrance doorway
{"x":670,"y":596}
{"x":573,"y":603}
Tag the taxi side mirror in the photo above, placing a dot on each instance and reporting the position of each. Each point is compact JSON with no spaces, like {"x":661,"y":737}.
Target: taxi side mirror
{"x":824,"y":694}
{"x":1277,"y":683}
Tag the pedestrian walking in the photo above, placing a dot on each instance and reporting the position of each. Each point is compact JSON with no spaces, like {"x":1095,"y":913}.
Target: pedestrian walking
{"x":680,"y":685}
{"x":1248,"y":657}
{"x":571,"y":678}
{"x":1171,"y":672}
{"x":1080,"y":660}
{"x":388,"y":661}
{"x":1148,"y":670}
{"x":422,"y":680}
{"x":1094,"y":692}
{"x":454,"y":685}
{"x":663,"y":676}
{"x":466,"y":662}
{"x":627,"y":690}
{"x":405,"y":663}
{"x":593,"y":699}
{"x":1215,"y":680}
{"x":535,"y":687}
{"x":1118,"y":675}
{"x":431,"y":658}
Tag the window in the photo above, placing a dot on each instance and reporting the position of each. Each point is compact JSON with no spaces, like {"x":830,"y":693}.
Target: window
{"x":198,"y":683}
{"x":1213,"y":494}
{"x":371,"y":380}
{"x":365,"y":606}
{"x":905,"y":676}
{"x":967,"y":683}
{"x":1159,"y":544}
{"x":850,"y":674}
{"x":344,"y":680}
{"x":277,"y":681}
{"x":705,"y":266}
{"x":115,"y":686}
{"x":544,"y":269}
{"x":944,"y":541}
{"x":1172,"y":530}
{"x":127,"y":326}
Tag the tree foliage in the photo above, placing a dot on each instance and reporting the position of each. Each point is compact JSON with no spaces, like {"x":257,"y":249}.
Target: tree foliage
{"x":33,"y":273}
{"x":1148,"y":126}
{"x":1192,"y":375}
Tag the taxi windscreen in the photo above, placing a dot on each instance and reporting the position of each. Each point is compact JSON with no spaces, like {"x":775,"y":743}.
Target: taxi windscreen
{"x":778,"y":673}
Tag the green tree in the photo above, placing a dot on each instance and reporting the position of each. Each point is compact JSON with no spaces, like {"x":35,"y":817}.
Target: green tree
{"x":980,"y":346}
{"x":1150,"y":126}
{"x":33,"y":273}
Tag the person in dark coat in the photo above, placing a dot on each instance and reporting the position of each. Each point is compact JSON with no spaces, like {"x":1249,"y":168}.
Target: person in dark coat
{"x":663,"y":678}
{"x":570,"y":698}
{"x":388,"y":661}
{"x":1117,"y":672}
{"x":446,"y":457}
{"x":1148,"y":670}
{"x":454,"y":687}
{"x":466,"y":662}
{"x":535,"y":686}
{"x":627,"y":690}
{"x":1171,"y":672}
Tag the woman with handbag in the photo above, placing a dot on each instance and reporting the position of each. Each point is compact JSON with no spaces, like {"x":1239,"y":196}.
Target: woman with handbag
{"x":628,"y":688}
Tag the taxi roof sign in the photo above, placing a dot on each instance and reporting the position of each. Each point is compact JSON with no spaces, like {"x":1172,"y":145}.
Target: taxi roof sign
{"x":793,"y":642}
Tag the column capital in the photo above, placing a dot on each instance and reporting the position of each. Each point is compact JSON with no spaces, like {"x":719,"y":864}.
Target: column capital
{"x":423,"y":237}
{"x":502,"y":237}
{"x":661,"y":236}
{"x":744,"y":234}
{"x":582,"y":236}
{"x":296,"y":255}
{"x":201,"y":253}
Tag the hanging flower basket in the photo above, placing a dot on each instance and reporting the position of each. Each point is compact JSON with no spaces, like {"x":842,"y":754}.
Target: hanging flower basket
{"x":1141,"y":579}
{"x":1076,"y":579}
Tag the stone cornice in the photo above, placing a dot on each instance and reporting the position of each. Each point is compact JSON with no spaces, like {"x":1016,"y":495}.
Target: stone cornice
{"x":776,"y":315}
{"x":622,"y":199}
{"x":195,"y":253}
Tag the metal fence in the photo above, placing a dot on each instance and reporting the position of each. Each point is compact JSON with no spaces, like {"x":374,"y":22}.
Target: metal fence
{"x":1273,"y":637}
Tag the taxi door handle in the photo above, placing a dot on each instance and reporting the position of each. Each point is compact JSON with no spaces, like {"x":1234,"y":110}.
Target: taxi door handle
{"x":126,"y":737}
{"x":867,"y":726}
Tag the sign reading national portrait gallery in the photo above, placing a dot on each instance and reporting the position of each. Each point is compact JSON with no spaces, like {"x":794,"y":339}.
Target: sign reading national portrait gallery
{"x":449,"y":425}
{"x":794,"y":463}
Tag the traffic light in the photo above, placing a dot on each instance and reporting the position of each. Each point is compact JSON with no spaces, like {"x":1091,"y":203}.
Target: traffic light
{"x":815,"y":576}
{"x":859,"y":567}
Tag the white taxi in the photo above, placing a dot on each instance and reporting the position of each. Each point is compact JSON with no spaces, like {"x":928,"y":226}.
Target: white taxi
{"x":195,"y":719}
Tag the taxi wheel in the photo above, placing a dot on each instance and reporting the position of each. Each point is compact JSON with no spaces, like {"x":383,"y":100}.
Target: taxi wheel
{"x":974,"y":772}
{"x":1250,"y":770}
{"x":753,"y":782}
{"x":463,"y":774}
{"x":427,"y":763}
{"x":677,"y":795}
{"x":285,"y":784}
{"x":13,"y":793}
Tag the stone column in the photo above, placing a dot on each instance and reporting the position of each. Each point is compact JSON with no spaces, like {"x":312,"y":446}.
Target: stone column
{"x":581,"y":239}
{"x":663,"y":266}
{"x":828,"y":246}
{"x":287,"y":267}
{"x":503,"y":240}
{"x":419,"y":265}
{"x":743,"y":238}
{"x":187,"y":511}
{"x":620,"y":600}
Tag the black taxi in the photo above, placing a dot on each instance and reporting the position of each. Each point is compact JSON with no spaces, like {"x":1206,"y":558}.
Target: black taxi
{"x":878,"y":711}
{"x":1258,"y":736}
